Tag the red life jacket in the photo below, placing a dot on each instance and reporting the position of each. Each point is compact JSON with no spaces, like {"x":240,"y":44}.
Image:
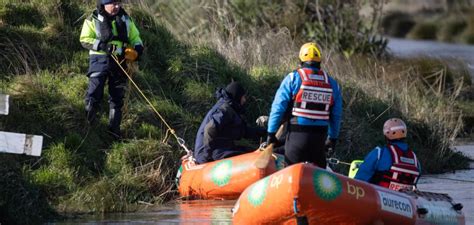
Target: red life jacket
{"x":404,"y":171}
{"x":314,"y":98}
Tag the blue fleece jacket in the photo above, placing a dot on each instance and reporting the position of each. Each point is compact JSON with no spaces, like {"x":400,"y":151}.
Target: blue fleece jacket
{"x":282,"y":102}
{"x":373,"y":162}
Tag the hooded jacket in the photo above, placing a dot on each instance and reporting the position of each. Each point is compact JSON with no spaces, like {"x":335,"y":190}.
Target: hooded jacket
{"x":222,"y":125}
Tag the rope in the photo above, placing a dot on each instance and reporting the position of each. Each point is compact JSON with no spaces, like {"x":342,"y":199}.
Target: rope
{"x":337,"y":161}
{"x":170,"y":130}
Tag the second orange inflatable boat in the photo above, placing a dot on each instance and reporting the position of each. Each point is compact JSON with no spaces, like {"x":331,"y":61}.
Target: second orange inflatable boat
{"x":305,"y":194}
{"x":225,"y":178}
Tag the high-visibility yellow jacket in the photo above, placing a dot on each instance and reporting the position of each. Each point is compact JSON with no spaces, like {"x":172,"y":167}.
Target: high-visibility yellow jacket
{"x":91,"y":34}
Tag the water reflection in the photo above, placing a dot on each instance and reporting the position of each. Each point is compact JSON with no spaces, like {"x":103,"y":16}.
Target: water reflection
{"x":181,"y":212}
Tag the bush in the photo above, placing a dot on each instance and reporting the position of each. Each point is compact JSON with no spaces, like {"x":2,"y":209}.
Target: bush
{"x":424,"y":30}
{"x":468,"y":34}
{"x":397,"y":24}
{"x":451,"y":28}
{"x":21,"y":14}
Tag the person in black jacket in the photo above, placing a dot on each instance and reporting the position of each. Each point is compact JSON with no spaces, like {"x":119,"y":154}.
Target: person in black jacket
{"x":223,"y":125}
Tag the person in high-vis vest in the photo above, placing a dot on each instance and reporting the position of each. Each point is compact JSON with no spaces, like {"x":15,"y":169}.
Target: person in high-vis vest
{"x":395,"y":165}
{"x":107,"y":32}
{"x":311,"y":102}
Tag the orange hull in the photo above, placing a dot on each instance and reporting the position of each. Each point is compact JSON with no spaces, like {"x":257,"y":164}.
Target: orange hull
{"x":307,"y":193}
{"x":222,"y":179}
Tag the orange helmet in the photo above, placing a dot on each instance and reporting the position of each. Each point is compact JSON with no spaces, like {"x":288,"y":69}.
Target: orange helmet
{"x":395,"y":129}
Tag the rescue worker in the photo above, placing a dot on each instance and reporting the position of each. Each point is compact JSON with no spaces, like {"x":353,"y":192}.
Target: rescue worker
{"x":395,"y":165}
{"x":312,"y":100}
{"x":223,"y":125}
{"x":109,"y":31}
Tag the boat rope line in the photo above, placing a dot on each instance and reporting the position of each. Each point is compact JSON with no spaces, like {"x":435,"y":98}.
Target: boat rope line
{"x":336,"y":161}
{"x":170,"y":130}
{"x":445,"y":178}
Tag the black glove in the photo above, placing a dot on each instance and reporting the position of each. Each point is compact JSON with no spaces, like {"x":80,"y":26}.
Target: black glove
{"x":139,"y":49}
{"x":330,"y":145}
{"x":271,"y":139}
{"x":107,"y":47}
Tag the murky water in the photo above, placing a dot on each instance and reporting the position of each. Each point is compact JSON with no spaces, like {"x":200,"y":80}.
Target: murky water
{"x":459,"y":185}
{"x":187,"y":212}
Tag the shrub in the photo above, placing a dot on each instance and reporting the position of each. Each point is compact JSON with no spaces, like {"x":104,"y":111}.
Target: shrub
{"x":21,"y":14}
{"x":451,"y":27}
{"x":424,"y":30}
{"x":397,"y":24}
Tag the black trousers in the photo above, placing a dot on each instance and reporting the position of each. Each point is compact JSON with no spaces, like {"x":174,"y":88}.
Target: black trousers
{"x":117,"y":84}
{"x":306,"y":144}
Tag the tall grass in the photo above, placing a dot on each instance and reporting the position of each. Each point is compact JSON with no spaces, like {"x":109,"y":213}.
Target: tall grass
{"x":267,"y":32}
{"x":409,"y":95}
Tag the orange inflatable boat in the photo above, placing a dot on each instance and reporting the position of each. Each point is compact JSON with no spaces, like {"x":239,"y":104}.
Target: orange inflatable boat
{"x":305,"y":194}
{"x":225,"y":178}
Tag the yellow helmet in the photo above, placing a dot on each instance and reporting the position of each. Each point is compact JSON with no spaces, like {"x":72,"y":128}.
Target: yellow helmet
{"x":310,"y":52}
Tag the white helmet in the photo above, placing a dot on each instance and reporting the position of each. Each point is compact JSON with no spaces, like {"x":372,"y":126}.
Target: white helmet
{"x":394,"y":129}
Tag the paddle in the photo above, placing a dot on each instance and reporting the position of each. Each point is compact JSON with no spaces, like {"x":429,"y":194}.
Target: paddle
{"x":264,"y":157}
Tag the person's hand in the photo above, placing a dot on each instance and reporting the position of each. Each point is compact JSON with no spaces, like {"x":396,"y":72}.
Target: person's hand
{"x":330,"y":145}
{"x":109,"y":48}
{"x":262,"y":121}
{"x":271,"y":139}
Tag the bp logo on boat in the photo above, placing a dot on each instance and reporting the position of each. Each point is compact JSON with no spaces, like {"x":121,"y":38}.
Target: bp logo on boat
{"x":258,"y":192}
{"x":326,"y":185}
{"x":222,"y":172}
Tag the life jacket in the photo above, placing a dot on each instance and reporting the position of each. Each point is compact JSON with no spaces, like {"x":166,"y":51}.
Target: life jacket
{"x":116,"y":29}
{"x":404,"y":170}
{"x":315,"y":96}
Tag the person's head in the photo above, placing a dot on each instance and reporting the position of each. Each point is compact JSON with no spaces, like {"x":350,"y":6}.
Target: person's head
{"x":236,"y":92}
{"x":310,"y":54}
{"x":111,"y":7}
{"x":394,"y":129}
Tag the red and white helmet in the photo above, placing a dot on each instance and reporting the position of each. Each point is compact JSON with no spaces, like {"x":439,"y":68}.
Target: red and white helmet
{"x":394,"y":129}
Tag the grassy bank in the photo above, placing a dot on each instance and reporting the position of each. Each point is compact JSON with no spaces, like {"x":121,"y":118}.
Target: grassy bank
{"x":83,"y":170}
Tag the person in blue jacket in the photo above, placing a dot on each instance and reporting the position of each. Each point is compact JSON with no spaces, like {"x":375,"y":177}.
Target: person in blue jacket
{"x":310,"y":100}
{"x":395,"y":165}
{"x":109,"y":31}
{"x":222,"y":125}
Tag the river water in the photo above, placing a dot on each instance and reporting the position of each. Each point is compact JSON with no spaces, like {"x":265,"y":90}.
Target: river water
{"x":413,"y":48}
{"x":459,"y":185}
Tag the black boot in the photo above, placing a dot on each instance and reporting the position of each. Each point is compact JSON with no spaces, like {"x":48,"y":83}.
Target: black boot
{"x":115,"y":118}
{"x":91,"y":112}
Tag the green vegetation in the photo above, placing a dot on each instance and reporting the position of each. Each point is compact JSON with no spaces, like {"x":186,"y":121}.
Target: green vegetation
{"x":426,"y":30}
{"x":451,"y":24}
{"x":83,"y":170}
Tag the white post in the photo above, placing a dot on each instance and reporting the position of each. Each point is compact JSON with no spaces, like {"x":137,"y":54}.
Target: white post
{"x":18,"y":143}
{"x":4,"y":104}
{"x":21,"y":143}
